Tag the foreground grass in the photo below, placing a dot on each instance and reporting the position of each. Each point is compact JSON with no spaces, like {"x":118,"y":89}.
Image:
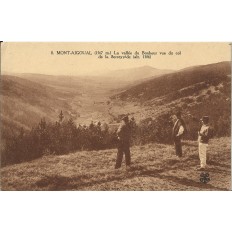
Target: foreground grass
{"x":154,"y":168}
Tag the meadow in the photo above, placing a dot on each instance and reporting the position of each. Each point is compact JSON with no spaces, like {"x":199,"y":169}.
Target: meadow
{"x":154,"y":167}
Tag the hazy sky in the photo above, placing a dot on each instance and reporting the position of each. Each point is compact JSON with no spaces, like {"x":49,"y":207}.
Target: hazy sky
{"x":37,"y":58}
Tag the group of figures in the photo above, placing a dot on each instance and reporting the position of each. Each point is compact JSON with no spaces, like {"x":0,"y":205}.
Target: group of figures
{"x":178,"y":131}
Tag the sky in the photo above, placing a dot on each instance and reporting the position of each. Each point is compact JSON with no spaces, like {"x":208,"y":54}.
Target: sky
{"x":38,"y":58}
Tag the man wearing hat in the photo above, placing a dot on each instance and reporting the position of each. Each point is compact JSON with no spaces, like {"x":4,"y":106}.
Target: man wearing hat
{"x":123,"y":133}
{"x":203,"y":139}
{"x":177,"y":133}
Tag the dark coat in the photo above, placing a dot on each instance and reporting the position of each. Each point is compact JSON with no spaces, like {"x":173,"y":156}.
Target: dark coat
{"x":176,"y":127}
{"x":124,"y":133}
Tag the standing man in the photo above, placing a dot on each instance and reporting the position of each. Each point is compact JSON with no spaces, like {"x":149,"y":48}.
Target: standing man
{"x":177,"y":133}
{"x":203,"y":139}
{"x":123,"y":133}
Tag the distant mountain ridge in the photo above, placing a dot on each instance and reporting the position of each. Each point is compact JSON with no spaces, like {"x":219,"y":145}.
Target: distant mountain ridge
{"x":133,"y":74}
{"x":171,"y":82}
{"x":124,"y":75}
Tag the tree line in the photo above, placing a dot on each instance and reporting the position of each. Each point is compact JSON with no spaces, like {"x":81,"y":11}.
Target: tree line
{"x":64,"y":136}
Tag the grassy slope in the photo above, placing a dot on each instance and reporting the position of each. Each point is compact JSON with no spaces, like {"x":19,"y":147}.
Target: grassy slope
{"x":154,"y":168}
{"x":170,"y":83}
{"x":196,"y":91}
{"x":25,"y":102}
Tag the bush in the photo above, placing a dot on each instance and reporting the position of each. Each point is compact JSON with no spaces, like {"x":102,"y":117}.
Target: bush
{"x":208,"y":92}
{"x":188,"y":100}
{"x":200,"y":98}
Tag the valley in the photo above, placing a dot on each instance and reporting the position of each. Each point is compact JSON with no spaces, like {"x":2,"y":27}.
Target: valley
{"x":150,"y":100}
{"x":26,"y":98}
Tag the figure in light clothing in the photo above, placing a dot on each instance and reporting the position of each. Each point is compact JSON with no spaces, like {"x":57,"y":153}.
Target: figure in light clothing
{"x":203,"y":140}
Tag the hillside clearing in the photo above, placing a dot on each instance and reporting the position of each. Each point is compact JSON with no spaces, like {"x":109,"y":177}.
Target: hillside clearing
{"x":154,"y":167}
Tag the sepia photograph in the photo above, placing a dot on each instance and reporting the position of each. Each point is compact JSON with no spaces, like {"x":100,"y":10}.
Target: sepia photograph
{"x":120,"y":116}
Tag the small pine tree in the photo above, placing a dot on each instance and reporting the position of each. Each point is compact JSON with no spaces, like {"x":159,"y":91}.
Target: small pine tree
{"x":61,"y":116}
